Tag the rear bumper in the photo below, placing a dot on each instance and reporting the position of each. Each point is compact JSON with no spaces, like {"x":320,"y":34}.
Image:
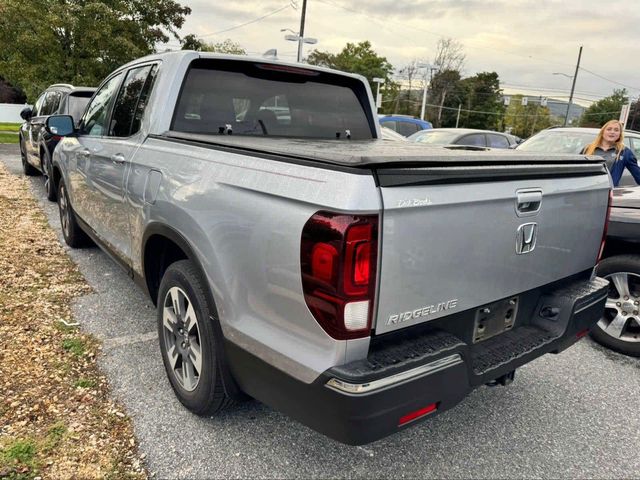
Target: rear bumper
{"x":365,"y":400}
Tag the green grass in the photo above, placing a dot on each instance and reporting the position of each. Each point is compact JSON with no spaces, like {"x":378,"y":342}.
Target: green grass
{"x":85,"y":383}
{"x":21,"y":451}
{"x":75,"y":346}
{"x":8,"y":138}
{"x":9,"y":127}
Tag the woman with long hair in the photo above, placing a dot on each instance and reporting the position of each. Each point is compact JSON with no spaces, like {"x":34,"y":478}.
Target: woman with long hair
{"x":609,"y":144}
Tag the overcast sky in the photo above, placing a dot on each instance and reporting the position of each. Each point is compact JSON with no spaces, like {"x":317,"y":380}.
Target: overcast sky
{"x":525,"y":41}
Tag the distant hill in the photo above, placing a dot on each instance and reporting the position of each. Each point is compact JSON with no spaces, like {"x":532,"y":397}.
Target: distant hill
{"x":558,"y":108}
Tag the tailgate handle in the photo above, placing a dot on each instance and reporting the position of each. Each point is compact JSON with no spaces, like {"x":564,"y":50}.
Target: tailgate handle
{"x":528,"y":202}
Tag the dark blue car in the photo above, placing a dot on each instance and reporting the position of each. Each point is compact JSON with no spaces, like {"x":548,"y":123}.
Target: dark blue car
{"x":404,"y":124}
{"x":36,"y":145}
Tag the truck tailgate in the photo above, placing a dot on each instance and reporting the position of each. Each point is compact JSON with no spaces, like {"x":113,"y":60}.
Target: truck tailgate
{"x":453,"y":239}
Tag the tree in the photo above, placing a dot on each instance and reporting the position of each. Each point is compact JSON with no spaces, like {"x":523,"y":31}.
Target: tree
{"x":483,"y":101}
{"x":526,"y":120}
{"x":355,"y":58}
{"x":445,"y":91}
{"x":191,"y":42}
{"x":11,"y":94}
{"x":449,"y":60}
{"x":605,"y":109}
{"x":79,"y":41}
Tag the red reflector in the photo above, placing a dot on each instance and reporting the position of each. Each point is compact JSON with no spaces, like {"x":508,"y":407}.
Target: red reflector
{"x":322,"y":261}
{"x":57,"y":137}
{"x":582,"y":333}
{"x":418,"y":413}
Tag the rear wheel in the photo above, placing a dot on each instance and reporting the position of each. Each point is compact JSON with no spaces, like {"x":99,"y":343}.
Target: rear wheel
{"x":187,"y":340}
{"x":28,"y":169}
{"x":47,"y":171}
{"x":73,"y":235}
{"x":619,"y":327}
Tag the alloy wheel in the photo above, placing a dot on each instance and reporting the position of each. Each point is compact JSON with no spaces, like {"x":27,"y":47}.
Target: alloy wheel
{"x":621,"y":319}
{"x":181,"y":335}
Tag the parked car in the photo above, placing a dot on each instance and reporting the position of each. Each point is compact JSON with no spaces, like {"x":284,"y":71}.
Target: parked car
{"x":404,"y":124}
{"x":357,"y":286}
{"x":465,"y":136}
{"x":619,"y":328}
{"x":573,"y":140}
{"x":36,"y":144}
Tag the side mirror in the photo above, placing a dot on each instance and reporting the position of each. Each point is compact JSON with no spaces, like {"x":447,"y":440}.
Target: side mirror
{"x":61,"y":125}
{"x":26,"y":113}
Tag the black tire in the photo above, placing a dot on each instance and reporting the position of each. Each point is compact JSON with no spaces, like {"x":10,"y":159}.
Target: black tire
{"x":73,"y":235}
{"x":28,"y":169}
{"x":624,"y":335}
{"x":47,"y":172}
{"x":184,"y":335}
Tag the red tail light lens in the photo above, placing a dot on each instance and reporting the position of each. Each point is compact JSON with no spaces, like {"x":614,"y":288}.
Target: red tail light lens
{"x":338,"y":256}
{"x":606,"y":227}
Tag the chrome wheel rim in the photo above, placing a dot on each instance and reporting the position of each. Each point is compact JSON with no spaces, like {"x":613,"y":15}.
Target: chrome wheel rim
{"x":64,"y":210}
{"x":181,"y":336}
{"x":45,"y":173}
{"x":621,"y":319}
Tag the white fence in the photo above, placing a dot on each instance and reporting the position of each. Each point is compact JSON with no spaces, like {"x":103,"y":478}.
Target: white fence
{"x":10,"y":112}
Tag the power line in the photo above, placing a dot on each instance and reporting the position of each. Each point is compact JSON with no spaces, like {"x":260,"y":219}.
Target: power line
{"x":608,"y":79}
{"x":247,"y":23}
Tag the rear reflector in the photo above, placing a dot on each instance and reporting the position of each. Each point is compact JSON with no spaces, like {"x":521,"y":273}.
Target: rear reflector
{"x":582,"y":333}
{"x":417,"y":414}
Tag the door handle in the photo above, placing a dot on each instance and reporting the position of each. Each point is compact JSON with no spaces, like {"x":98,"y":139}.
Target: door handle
{"x":84,"y":153}
{"x":118,"y":159}
{"x":528,"y":202}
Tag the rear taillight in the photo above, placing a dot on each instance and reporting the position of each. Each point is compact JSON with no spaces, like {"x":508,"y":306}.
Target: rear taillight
{"x":606,"y":227}
{"x":338,"y":256}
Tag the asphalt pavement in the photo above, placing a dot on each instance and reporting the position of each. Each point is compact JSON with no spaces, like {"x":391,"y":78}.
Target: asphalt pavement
{"x":573,"y":415}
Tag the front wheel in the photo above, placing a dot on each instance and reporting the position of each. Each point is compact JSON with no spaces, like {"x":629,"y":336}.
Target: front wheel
{"x":28,"y":169}
{"x":47,"y":171}
{"x":187,"y":340}
{"x":73,"y":235}
{"x":619,"y":327}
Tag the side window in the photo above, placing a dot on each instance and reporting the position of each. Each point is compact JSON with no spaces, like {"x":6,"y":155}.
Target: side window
{"x":131,"y":101}
{"x":51,"y":102}
{"x":94,"y":121}
{"x":38,"y":106}
{"x":406,"y":128}
{"x":390,"y":124}
{"x":497,"y":141}
{"x":475,"y":139}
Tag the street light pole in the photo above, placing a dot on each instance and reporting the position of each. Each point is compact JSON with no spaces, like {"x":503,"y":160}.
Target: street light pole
{"x":573,"y":86}
{"x":301,"y":33}
{"x":429,"y":72}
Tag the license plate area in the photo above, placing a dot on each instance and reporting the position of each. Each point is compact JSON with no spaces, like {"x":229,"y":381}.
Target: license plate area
{"x":494,"y":319}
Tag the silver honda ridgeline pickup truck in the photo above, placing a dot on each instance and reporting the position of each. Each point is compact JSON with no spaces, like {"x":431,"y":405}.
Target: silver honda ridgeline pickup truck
{"x":355,"y":284}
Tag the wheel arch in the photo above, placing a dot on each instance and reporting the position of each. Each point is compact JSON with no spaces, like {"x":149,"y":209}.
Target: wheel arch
{"x":162,"y":239}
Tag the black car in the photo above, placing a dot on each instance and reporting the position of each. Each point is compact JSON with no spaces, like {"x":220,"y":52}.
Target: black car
{"x":465,"y":136}
{"x":619,"y":328}
{"x":36,"y":145}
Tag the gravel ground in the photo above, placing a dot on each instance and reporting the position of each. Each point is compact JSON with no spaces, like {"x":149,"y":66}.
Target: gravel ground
{"x":573,"y":415}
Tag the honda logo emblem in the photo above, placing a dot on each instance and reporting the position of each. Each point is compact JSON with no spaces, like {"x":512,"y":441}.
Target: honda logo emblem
{"x":526,"y":238}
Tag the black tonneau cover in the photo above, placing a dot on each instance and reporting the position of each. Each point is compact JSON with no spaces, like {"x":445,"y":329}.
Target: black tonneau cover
{"x":377,"y":153}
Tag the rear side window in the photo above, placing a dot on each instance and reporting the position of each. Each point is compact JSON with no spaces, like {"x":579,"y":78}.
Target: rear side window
{"x":497,"y":141}
{"x":95,"y":118}
{"x":131,"y":101}
{"x":476,"y":139}
{"x":38,"y":106}
{"x":246,"y":98}
{"x":407,"y":128}
{"x":390,"y":124}
{"x":76,"y":103}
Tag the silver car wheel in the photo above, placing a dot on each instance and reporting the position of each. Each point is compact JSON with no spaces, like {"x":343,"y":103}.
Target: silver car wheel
{"x":181,"y":336}
{"x":64,"y":210}
{"x":621,"y":319}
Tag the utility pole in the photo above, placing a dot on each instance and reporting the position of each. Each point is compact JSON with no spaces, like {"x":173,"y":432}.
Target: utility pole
{"x":301,"y":32}
{"x":458,"y":117}
{"x":573,"y":86}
